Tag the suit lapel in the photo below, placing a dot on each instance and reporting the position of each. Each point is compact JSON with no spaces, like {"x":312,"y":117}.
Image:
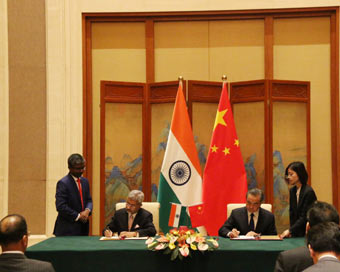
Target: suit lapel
{"x":294,"y":199}
{"x":125,"y":221}
{"x":302,"y":193}
{"x":259,"y":221}
{"x":245,"y":219}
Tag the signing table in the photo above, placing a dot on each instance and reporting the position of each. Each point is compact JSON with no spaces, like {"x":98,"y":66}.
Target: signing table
{"x":89,"y":254}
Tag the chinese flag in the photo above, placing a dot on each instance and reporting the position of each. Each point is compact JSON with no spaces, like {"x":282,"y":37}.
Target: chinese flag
{"x":196,"y":217}
{"x":224,"y":179}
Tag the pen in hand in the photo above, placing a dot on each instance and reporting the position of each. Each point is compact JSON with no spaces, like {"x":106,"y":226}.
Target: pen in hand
{"x":257,"y":236}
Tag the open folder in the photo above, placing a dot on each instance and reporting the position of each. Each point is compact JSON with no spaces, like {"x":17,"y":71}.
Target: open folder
{"x":103,"y":238}
{"x":259,"y":238}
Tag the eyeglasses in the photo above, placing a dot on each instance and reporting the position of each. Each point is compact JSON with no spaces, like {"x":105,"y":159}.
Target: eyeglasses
{"x":79,"y":168}
{"x":253,"y":203}
{"x":132,"y":205}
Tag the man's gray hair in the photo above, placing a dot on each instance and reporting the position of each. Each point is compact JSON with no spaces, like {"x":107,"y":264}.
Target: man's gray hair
{"x":255,"y":192}
{"x":136,"y":195}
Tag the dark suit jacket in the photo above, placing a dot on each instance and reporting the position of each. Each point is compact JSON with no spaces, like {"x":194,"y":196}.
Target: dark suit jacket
{"x":10,"y":262}
{"x":67,"y":201}
{"x":298,"y":212}
{"x":239,"y":220}
{"x":326,"y":264}
{"x":293,"y":260}
{"x":142,"y":223}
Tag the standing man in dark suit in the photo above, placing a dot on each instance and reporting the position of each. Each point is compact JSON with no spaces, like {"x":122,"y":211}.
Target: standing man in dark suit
{"x":132,"y":221}
{"x":73,"y":200}
{"x":14,"y":240}
{"x":250,"y":220}
{"x":298,"y":259}
{"x":324,"y":245}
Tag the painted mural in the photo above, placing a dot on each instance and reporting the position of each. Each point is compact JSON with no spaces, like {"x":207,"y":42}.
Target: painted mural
{"x":126,"y":175}
{"x":122,"y":177}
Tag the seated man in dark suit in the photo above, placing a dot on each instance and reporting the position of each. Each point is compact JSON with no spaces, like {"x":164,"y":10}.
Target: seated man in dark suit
{"x":132,"y":221}
{"x":250,"y":220}
{"x":324,"y":245}
{"x":13,"y":240}
{"x":298,"y":259}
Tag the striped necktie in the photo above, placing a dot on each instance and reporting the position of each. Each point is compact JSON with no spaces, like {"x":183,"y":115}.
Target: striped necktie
{"x":130,"y":221}
{"x":251,"y":223}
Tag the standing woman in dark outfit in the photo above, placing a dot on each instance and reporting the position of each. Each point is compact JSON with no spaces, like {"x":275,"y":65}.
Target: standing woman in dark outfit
{"x":301,"y":197}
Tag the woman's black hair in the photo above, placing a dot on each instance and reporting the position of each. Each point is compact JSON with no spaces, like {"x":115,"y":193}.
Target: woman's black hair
{"x":300,"y":169}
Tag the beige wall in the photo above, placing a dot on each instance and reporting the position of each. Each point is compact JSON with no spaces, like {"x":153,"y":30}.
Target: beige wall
{"x":27,"y":111}
{"x":303,"y":53}
{"x":63,"y":107}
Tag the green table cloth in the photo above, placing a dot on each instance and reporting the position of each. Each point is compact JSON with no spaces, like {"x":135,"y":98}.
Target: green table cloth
{"x":89,"y":254}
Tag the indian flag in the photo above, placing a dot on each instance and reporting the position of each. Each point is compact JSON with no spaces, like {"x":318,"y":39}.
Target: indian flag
{"x":180,"y":179}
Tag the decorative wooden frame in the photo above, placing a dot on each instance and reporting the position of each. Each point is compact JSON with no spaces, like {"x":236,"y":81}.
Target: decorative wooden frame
{"x":269,"y":91}
{"x":149,"y":18}
{"x":133,"y":93}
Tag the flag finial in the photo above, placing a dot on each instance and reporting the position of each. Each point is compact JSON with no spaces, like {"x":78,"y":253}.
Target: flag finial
{"x":224,"y":78}
{"x":180,"y":78}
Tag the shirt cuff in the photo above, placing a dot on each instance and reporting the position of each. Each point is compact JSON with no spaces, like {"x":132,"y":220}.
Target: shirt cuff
{"x":77,"y":217}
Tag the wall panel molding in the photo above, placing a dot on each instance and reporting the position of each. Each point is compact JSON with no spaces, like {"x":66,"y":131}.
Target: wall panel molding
{"x":4,"y":129}
{"x":64,"y":95}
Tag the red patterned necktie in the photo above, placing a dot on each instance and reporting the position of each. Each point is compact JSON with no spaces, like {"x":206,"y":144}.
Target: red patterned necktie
{"x":81,"y":194}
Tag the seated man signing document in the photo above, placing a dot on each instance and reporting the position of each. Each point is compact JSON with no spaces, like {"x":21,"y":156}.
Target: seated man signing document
{"x":250,"y":220}
{"x":132,"y":221}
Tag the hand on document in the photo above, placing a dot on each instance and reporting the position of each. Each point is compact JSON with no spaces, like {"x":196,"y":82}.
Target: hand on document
{"x":108,"y":233}
{"x":234,"y":233}
{"x":253,"y":234}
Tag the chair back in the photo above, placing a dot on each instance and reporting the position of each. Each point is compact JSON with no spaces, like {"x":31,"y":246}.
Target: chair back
{"x":152,"y":207}
{"x":232,"y":206}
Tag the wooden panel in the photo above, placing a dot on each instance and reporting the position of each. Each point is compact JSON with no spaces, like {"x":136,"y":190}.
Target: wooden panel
{"x":211,"y":15}
{"x":204,"y":91}
{"x":290,"y":89}
{"x":87,"y":102}
{"x":150,"y":50}
{"x":247,"y":91}
{"x":268,"y":47}
{"x":122,"y":90}
{"x":335,"y":128}
{"x":164,"y":92}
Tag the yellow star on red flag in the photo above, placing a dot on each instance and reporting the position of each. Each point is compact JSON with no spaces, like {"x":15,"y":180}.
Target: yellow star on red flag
{"x":219,"y":118}
{"x":226,"y":151}
{"x":214,"y":148}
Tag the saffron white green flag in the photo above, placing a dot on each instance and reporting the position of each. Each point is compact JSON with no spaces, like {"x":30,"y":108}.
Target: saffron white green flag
{"x":180,"y":180}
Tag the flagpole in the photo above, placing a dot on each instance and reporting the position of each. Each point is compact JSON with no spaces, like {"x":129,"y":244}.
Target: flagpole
{"x":224,"y":80}
{"x":180,"y":79}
